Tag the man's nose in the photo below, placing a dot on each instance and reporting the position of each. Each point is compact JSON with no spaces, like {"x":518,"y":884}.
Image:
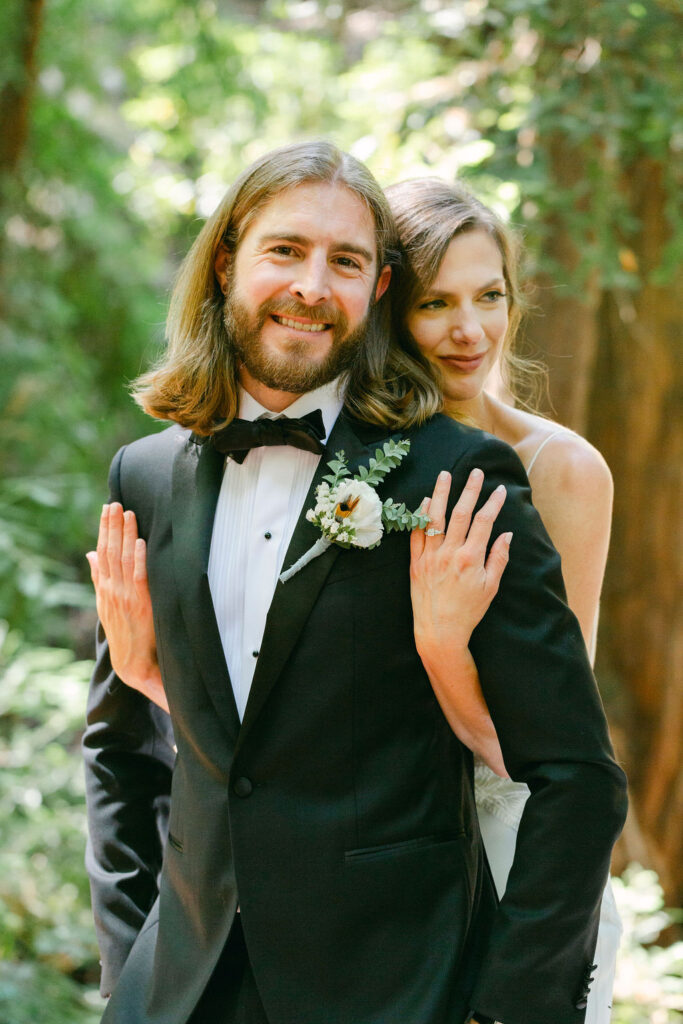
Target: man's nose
{"x":467,"y":327}
{"x":312,"y":281}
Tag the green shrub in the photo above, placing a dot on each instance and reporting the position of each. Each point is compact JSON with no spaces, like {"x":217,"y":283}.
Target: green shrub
{"x":648,"y":987}
{"x":32,"y":992}
{"x":46,"y":931}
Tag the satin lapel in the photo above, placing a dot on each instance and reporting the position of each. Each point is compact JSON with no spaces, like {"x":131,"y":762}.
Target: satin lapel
{"x":197,"y":476}
{"x":293,"y":601}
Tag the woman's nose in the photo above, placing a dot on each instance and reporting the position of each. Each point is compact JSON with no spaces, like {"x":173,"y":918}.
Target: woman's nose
{"x":467,"y":328}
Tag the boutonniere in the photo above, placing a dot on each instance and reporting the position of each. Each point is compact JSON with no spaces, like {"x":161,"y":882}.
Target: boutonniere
{"x":349,"y":512}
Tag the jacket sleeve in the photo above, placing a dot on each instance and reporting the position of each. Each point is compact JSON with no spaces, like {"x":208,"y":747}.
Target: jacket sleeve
{"x":540,"y":689}
{"x":128,"y":750}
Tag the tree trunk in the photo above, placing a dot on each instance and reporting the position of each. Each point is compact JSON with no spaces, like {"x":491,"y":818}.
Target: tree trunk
{"x":17,"y":89}
{"x":617,"y":377}
{"x":564,"y":332}
{"x":636,"y":395}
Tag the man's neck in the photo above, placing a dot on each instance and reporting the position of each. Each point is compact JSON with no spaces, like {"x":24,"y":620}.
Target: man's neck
{"x":269,"y":398}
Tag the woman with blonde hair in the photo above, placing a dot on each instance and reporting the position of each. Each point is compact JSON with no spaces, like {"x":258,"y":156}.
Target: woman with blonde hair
{"x":458,"y":298}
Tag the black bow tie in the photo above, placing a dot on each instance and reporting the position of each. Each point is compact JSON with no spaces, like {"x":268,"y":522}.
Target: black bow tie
{"x":240,"y":436}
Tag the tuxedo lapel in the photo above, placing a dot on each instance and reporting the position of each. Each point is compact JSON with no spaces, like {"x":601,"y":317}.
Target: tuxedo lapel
{"x":293,"y":601}
{"x":197,"y":477}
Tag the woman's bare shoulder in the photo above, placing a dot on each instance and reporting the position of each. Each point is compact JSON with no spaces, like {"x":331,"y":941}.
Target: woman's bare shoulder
{"x":547,"y":448}
{"x":560,"y":463}
{"x":570,"y":464}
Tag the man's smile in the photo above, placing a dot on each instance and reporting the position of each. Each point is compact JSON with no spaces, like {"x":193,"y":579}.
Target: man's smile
{"x":310,"y":326}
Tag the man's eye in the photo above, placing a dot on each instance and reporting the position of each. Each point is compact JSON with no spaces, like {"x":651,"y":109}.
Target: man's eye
{"x":347,"y":262}
{"x":283,"y":250}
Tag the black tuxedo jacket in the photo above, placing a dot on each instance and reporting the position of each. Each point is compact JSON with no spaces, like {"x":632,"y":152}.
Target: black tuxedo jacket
{"x":340,"y":815}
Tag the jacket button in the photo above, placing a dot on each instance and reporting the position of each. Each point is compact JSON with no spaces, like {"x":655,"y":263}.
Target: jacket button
{"x":243,"y":786}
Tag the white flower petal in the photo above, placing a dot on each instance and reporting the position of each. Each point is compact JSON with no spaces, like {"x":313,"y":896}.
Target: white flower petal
{"x":366,"y":517}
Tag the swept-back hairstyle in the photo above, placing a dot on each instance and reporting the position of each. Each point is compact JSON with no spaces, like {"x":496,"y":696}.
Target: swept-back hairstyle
{"x":429,"y":213}
{"x":196,"y":381}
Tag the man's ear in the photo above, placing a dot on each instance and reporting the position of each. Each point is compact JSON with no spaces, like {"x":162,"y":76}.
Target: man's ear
{"x":221,"y":266}
{"x":382,"y":282}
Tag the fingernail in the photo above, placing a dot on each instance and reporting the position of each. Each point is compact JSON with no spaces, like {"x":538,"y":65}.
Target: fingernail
{"x":444,"y":474}
{"x":476,"y":474}
{"x":501,"y":489}
{"x":507,"y":537}
{"x":426,"y":502}
{"x":104,"y":509}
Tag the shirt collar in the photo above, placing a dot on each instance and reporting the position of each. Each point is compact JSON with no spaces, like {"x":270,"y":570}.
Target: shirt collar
{"x":329,"y":399}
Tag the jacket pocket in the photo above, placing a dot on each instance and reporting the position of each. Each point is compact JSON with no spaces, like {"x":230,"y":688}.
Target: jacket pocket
{"x":366,"y":853}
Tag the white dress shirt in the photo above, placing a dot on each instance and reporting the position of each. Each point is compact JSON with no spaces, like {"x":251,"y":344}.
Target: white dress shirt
{"x":258,"y":507}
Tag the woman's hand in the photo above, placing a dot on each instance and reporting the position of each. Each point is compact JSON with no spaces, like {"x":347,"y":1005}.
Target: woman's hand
{"x":452,"y":585}
{"x":452,"y":581}
{"x":119,"y":574}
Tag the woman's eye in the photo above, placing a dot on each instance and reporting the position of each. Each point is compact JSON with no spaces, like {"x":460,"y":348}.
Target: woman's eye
{"x":432,"y":304}
{"x":494,"y":295}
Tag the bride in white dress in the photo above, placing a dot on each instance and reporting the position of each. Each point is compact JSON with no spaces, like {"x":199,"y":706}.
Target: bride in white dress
{"x":461,"y":304}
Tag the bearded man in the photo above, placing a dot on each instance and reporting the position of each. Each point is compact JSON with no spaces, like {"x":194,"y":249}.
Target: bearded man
{"x":323,"y":863}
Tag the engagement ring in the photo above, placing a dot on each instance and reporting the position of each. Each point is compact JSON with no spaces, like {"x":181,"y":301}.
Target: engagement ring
{"x":433,"y":533}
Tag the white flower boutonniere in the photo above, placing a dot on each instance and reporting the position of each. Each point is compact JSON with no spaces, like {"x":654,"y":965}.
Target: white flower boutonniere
{"x":350,"y":513}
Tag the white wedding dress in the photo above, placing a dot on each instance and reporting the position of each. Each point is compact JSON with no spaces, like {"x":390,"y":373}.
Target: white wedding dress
{"x":500,"y":803}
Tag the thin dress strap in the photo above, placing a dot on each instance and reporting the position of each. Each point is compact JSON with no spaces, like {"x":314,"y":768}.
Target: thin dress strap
{"x":562,"y":430}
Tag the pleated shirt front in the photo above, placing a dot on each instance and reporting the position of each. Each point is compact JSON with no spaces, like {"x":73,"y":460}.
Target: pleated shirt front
{"x":258,"y":507}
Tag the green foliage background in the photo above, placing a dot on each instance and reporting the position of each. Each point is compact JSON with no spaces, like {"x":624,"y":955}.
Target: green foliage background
{"x":141,"y":114}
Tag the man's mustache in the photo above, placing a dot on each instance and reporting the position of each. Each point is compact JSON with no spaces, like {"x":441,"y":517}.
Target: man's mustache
{"x":292,"y":308}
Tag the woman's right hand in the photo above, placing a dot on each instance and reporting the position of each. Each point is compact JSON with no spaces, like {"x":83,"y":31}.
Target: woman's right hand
{"x":124,"y":606}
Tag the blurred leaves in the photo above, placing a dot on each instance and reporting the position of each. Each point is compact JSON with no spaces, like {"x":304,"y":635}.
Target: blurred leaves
{"x":28,"y":989}
{"x":45,"y":913}
{"x":649,"y":982}
{"x":36,"y":586}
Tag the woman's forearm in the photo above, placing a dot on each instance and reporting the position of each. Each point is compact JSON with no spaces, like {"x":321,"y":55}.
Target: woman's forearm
{"x":455,"y":681}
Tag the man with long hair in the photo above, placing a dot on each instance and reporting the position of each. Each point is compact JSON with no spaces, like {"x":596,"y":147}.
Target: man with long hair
{"x":323,"y":862}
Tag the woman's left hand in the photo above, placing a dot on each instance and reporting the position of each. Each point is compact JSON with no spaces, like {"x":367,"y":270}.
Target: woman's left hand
{"x":452,"y":581}
{"x":452,"y":584}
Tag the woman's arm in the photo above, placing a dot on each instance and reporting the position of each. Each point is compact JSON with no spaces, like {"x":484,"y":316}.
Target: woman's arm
{"x":453,"y":581}
{"x":572,"y":490}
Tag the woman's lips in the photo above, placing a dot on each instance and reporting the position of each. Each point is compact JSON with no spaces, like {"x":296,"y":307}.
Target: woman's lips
{"x":466,"y":364}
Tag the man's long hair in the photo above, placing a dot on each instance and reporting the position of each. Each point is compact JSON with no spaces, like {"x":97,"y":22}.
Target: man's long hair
{"x":196,"y":381}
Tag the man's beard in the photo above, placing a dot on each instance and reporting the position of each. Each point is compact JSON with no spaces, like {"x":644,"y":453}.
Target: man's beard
{"x":293,"y":371}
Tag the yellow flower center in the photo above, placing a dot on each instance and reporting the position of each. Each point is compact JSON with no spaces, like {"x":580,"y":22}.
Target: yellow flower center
{"x":345,"y":508}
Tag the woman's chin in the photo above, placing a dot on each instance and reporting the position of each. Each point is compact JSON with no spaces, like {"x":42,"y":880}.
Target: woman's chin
{"x":466,"y":393}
